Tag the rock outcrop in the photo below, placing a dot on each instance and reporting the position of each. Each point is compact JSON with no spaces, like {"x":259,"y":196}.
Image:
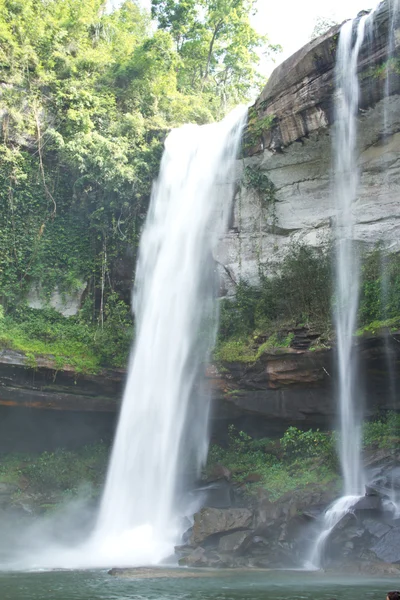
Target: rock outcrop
{"x":297,"y":387}
{"x":266,"y":534}
{"x":289,"y":144}
{"x":288,"y":386}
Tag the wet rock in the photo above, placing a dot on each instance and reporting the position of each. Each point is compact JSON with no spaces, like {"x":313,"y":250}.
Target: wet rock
{"x":214,"y":522}
{"x":196,"y":558}
{"x":369,"y":503}
{"x":376,"y":528}
{"x":371,"y":491}
{"x":387,"y":548}
{"x":216,"y":494}
{"x":233,"y":542}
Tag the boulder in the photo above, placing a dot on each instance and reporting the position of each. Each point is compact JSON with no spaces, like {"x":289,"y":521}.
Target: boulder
{"x":388,"y":546}
{"x":232,"y":542}
{"x":376,"y":528}
{"x":369,"y":503}
{"x":196,"y":558}
{"x":216,"y":521}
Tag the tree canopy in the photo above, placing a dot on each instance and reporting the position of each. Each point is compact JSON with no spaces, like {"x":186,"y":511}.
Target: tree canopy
{"x":86,"y":99}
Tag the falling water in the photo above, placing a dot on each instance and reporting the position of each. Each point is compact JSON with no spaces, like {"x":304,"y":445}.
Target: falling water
{"x":331,"y":518}
{"x":163,"y":422}
{"x":346,"y":179}
{"x":347,"y":267}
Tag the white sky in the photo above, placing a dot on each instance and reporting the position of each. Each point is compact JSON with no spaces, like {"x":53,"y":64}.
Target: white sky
{"x":291,"y":22}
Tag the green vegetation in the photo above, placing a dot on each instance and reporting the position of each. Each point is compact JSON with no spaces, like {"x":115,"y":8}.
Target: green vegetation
{"x":69,"y":342}
{"x":383,"y":433}
{"x":258,"y":318}
{"x":388,"y":67}
{"x":256,"y":179}
{"x":297,"y":460}
{"x":299,"y":293}
{"x":86,"y":99}
{"x":256,"y":127}
{"x":380,"y":290}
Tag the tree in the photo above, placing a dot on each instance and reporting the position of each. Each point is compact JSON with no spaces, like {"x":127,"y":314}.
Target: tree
{"x":217,"y":45}
{"x":322,"y":25}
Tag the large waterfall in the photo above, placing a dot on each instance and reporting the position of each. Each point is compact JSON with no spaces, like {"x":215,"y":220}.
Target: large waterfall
{"x":162,"y":433}
{"x":162,"y":428}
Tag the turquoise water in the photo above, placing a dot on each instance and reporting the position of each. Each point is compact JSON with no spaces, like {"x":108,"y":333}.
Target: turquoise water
{"x":232,"y":585}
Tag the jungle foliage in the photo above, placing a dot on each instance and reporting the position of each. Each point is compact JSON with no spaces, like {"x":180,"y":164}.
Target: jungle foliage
{"x":86,"y":99}
{"x":297,"y":460}
{"x":300,"y":292}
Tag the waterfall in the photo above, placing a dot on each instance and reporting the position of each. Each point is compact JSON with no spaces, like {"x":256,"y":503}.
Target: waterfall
{"x":162,"y":427}
{"x":346,"y":180}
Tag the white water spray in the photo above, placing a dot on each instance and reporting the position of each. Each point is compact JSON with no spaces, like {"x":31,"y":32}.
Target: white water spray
{"x":332,"y":516}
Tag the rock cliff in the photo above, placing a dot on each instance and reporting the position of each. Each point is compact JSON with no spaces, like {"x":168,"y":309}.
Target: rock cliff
{"x":288,"y":147}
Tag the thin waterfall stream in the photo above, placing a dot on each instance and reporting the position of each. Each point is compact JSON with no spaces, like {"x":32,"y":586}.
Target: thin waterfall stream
{"x":346,"y":179}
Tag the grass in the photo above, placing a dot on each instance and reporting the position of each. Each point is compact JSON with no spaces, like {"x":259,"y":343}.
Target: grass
{"x":63,"y":350}
{"x":247,"y":349}
{"x":66,"y":342}
{"x":236,"y":350}
{"x":374,"y":327}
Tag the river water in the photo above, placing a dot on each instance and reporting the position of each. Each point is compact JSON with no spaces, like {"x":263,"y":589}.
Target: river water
{"x":204,"y":585}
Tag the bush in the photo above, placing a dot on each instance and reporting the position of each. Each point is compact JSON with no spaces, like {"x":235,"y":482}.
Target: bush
{"x":308,"y":443}
{"x":382,"y":433}
{"x":278,"y":472}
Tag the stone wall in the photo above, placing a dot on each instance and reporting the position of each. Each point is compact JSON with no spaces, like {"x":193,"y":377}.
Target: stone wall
{"x":294,"y":151}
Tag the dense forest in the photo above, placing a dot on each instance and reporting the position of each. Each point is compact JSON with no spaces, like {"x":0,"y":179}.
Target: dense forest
{"x":86,"y":99}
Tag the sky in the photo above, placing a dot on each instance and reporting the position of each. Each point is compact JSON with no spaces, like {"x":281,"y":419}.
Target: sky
{"x":291,"y":22}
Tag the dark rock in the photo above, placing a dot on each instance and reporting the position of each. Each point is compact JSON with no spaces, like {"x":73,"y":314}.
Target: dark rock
{"x":315,"y":511}
{"x":214,"y":522}
{"x":371,"y":491}
{"x":219,"y":472}
{"x":232,"y":542}
{"x":196,"y":558}
{"x":388,"y":547}
{"x":216,"y":494}
{"x":369,"y":503}
{"x":376,"y":528}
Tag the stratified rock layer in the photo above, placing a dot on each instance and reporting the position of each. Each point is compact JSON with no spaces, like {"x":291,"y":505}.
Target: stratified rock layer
{"x":295,"y":154}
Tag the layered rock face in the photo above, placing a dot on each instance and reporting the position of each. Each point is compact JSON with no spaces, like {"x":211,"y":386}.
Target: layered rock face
{"x":298,"y":387}
{"x":289,"y":144}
